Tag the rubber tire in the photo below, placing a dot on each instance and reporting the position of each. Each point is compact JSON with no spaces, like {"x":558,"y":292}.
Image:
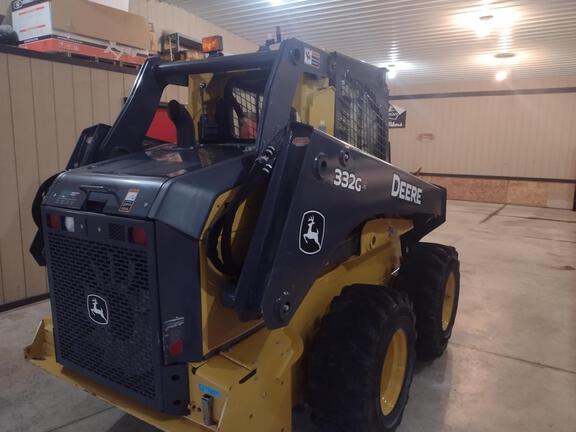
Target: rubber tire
{"x":423,"y":275}
{"x":347,"y":355}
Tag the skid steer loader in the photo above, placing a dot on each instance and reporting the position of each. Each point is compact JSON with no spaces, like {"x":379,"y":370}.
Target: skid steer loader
{"x":266,"y":263}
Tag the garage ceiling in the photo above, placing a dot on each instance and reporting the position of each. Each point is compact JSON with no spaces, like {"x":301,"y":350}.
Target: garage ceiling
{"x":424,"y":40}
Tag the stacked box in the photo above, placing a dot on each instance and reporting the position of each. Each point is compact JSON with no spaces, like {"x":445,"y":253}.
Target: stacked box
{"x":81,"y":27}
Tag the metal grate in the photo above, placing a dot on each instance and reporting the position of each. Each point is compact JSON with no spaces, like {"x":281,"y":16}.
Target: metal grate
{"x":246,"y":113}
{"x":117,"y":232}
{"x":120,"y":351}
{"x":360,"y":120}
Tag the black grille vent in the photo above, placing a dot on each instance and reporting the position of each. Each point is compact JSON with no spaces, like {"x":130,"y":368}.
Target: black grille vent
{"x":117,"y":232}
{"x":360,"y":120}
{"x":121,"y":351}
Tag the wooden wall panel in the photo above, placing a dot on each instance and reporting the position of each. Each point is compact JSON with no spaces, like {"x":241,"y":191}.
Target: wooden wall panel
{"x":100,"y":96}
{"x":4,"y":5}
{"x":27,"y":164}
{"x":82,"y":84}
{"x":115,"y":94}
{"x":169,"y":19}
{"x":45,"y":105}
{"x":65,"y":112}
{"x":13,"y":284}
{"x":45,"y":118}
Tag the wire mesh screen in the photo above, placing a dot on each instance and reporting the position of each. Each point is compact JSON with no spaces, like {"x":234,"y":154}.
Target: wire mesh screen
{"x":246,"y":113}
{"x":359,"y":119}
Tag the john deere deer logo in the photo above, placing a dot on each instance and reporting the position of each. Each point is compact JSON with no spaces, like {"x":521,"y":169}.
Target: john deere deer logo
{"x":312,"y":232}
{"x":97,"y":309}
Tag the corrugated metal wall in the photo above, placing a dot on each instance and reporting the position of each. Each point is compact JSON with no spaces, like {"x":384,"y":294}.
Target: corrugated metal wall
{"x":489,"y":135}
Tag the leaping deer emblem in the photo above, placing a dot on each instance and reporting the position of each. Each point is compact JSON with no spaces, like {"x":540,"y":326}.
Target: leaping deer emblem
{"x":97,"y":310}
{"x":312,"y":235}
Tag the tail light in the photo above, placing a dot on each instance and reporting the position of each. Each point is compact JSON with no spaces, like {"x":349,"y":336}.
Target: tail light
{"x":54,"y":221}
{"x":138,"y":236}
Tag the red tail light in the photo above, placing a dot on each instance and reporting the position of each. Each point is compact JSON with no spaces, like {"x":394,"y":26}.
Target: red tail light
{"x":176,"y":348}
{"x":138,"y":236}
{"x":54,"y":221}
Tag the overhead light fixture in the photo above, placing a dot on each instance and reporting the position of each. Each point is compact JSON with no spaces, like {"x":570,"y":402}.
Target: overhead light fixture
{"x":504,"y":55}
{"x":488,"y":20}
{"x":485,"y":25}
{"x":276,"y":2}
{"x":502,"y":59}
{"x":397,"y":66}
{"x":501,"y":75}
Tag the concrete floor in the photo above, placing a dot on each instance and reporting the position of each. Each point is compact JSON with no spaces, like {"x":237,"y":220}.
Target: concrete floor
{"x":511,"y":365}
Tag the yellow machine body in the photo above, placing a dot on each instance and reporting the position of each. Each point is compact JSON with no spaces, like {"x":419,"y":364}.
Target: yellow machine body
{"x":258,"y":380}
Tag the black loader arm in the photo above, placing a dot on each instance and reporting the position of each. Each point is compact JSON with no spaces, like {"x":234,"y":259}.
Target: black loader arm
{"x":309,"y":212}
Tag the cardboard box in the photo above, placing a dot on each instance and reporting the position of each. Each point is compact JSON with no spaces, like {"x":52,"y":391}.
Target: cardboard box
{"x":36,"y":19}
{"x":118,"y":4}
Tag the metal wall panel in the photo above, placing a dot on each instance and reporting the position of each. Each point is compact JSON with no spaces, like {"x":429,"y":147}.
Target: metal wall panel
{"x":170,"y":19}
{"x":4,"y":5}
{"x":45,"y":105}
{"x":522,"y":135}
{"x":27,"y":164}
{"x":13,"y":285}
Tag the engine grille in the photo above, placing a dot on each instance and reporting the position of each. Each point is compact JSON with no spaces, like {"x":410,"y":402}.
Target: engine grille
{"x":121,"y":352}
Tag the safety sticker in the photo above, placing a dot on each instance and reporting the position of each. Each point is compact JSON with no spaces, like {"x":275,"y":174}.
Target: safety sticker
{"x":129,"y":200}
{"x":301,"y":141}
{"x":312,"y":58}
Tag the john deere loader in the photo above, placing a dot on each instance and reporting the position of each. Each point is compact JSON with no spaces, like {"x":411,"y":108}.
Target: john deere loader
{"x":266,"y":263}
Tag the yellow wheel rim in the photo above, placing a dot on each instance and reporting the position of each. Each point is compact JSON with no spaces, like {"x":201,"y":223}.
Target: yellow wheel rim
{"x":448,"y":303}
{"x":393,"y":371}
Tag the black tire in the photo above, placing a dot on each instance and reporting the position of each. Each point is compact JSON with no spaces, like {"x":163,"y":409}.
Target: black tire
{"x":347,"y":357}
{"x":424,"y":276}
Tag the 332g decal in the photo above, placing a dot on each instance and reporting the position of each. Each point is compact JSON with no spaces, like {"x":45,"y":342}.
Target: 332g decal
{"x":348,"y":180}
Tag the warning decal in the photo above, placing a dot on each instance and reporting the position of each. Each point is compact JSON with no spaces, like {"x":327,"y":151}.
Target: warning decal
{"x":312,"y":58}
{"x":129,"y":200}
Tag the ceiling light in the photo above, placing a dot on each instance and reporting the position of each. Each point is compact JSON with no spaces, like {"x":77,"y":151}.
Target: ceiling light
{"x":400,"y":66}
{"x":485,"y":25}
{"x":276,"y":2}
{"x":488,"y":20}
{"x":502,"y":59}
{"x":504,"y":55}
{"x":501,"y":75}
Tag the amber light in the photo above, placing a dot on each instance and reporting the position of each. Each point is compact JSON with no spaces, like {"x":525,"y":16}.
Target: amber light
{"x":212,"y":44}
{"x":138,"y":236}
